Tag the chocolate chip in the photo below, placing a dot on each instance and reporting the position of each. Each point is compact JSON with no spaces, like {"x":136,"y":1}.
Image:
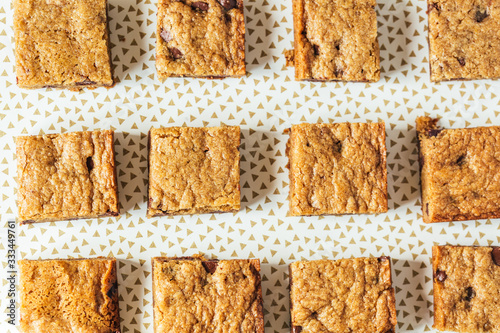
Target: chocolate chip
{"x":166,"y":35}
{"x":469,"y":294}
{"x":495,"y":255}
{"x":210,"y":265}
{"x":316,"y":49}
{"x":85,"y":82}
{"x":112,"y":291}
{"x":383,"y":258}
{"x":427,"y":209}
{"x":110,"y":213}
{"x":228,"y":4}
{"x":90,"y":163}
{"x":440,"y":275}
{"x":432,"y":6}
{"x":461,"y":61}
{"x":433,"y":132}
{"x":481,"y":15}
{"x":176,"y":53}
{"x":296,"y":329}
{"x":203,"y":6}
{"x":337,"y":47}
{"x":339,"y":72}
{"x":460,"y":160}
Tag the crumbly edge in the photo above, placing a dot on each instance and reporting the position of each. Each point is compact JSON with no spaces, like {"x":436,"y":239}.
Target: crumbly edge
{"x":291,"y":174}
{"x":113,"y":277}
{"x":254,"y":262}
{"x":77,"y":87}
{"x":114,"y":212}
{"x":153,"y":212}
{"x":392,"y":309}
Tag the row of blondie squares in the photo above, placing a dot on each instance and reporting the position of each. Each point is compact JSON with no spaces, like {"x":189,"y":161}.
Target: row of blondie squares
{"x":66,"y":44}
{"x":337,"y":168}
{"x":192,"y":294}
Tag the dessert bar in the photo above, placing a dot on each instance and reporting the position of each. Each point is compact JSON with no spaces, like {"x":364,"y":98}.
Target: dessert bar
{"x":335,"y":40}
{"x":191,"y":294}
{"x":459,"y":172}
{"x":62,"y":44}
{"x":200,"y":38}
{"x":194,"y":170}
{"x":337,"y":168}
{"x":66,"y":176}
{"x":73,"y":295}
{"x":346,"y":295}
{"x":466,"y":288}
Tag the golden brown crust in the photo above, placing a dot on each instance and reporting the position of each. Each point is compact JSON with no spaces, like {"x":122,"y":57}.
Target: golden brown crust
{"x":459,"y":174}
{"x":337,"y":169}
{"x":200,"y":38}
{"x":62,"y":44}
{"x":194,"y":170}
{"x":463,"y":39}
{"x":66,"y":176}
{"x":193,"y":294}
{"x":69,"y":296}
{"x":347,"y":295}
{"x":336,"y":40}
{"x":466,"y":284}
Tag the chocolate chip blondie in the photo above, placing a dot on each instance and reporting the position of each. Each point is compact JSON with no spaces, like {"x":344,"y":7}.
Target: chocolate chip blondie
{"x":194,"y":170}
{"x":335,"y":40}
{"x":459,"y":172}
{"x":66,"y":176}
{"x":74,"y":295}
{"x":466,"y":288}
{"x":62,"y":44}
{"x":200,"y":38}
{"x":191,"y":294}
{"x":347,"y":295}
{"x":337,"y":168}
{"x":463,"y":39}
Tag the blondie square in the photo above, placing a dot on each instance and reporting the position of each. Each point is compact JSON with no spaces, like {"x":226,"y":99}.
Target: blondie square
{"x":66,"y":176}
{"x":62,"y":44}
{"x":75,"y":295}
{"x":200,"y":38}
{"x":198,"y":295}
{"x":464,"y":42}
{"x":347,"y":295}
{"x":466,"y":288}
{"x":194,"y":170}
{"x":335,"y":40}
{"x":337,"y":169}
{"x":459,"y":172}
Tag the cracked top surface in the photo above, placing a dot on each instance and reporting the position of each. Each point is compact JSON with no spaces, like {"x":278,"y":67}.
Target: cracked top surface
{"x":460,"y":175}
{"x":342,"y":296}
{"x":200,"y":38}
{"x":336,"y":40}
{"x":464,"y":39}
{"x":60,"y":296}
{"x":466,"y":288}
{"x":194,"y":295}
{"x":66,"y":176}
{"x":61,"y":43}
{"x":337,"y":168}
{"x":194,"y":170}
